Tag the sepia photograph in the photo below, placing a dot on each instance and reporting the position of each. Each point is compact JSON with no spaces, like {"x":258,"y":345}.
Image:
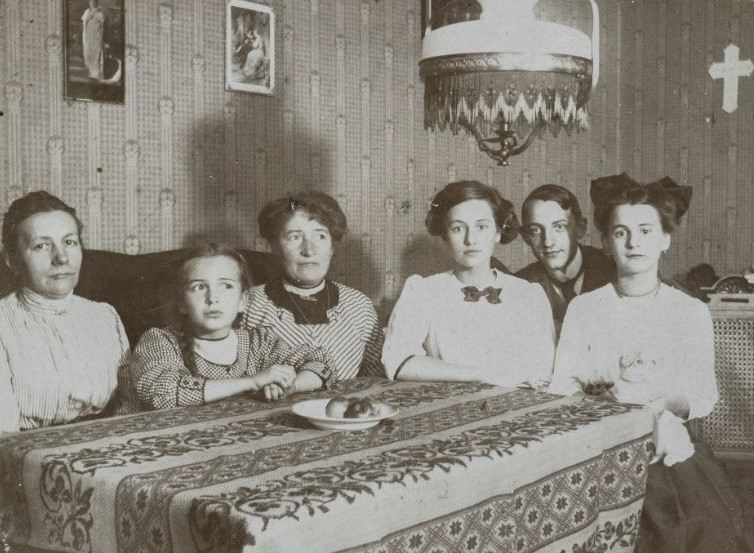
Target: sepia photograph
{"x":94,"y":50}
{"x":250,"y":47}
{"x":377,"y":276}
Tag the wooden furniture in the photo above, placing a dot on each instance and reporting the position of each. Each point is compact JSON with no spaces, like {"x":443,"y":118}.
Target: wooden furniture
{"x":462,"y":466}
{"x":729,"y":429}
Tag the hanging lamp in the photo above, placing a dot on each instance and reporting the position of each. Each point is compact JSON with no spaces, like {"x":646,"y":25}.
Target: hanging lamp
{"x":506,"y":70}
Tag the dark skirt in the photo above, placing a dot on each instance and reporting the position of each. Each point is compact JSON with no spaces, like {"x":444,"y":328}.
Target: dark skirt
{"x":690,"y":508}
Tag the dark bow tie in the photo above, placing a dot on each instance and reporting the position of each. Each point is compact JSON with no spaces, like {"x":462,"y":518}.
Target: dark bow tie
{"x":472,"y":293}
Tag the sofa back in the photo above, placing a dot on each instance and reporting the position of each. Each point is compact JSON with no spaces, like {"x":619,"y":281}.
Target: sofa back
{"x":136,"y":285}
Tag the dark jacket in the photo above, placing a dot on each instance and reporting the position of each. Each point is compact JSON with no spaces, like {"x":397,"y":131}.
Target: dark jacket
{"x":599,"y":269}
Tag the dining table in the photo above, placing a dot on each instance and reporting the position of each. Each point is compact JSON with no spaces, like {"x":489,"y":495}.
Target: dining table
{"x":461,"y":467}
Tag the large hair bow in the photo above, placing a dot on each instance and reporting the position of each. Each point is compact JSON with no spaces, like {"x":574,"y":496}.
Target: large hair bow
{"x":680,"y":195}
{"x":608,"y":190}
{"x":604,"y":188}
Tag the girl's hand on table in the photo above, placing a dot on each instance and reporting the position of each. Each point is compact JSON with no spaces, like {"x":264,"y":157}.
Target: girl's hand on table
{"x":282,"y":376}
{"x":273,"y":392}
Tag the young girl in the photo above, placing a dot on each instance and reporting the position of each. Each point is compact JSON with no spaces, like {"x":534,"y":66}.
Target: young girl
{"x":202,"y":357}
{"x":472,"y":322}
{"x":645,"y":342}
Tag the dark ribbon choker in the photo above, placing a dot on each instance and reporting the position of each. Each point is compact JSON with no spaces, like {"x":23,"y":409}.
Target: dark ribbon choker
{"x":472,"y":293}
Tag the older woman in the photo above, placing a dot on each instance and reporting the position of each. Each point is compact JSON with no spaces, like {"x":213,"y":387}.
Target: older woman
{"x":59,"y":353}
{"x":303,"y":306}
{"x":472,"y":322}
{"x":638,"y":340}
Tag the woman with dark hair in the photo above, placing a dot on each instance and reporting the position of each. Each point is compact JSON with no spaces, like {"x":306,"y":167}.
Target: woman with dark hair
{"x":638,"y":340}
{"x":472,"y":322}
{"x":59,"y":353}
{"x":202,"y":356}
{"x":304,"y":306}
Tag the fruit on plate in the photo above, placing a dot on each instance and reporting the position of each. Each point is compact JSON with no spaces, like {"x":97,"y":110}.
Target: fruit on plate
{"x":354,"y":408}
{"x":360,"y":408}
{"x":336,"y":407}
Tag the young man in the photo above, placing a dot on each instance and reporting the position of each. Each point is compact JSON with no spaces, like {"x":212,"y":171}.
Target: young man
{"x":552,"y":225}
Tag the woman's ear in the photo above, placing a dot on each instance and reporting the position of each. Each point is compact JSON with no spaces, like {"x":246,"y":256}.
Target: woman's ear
{"x":242,"y":303}
{"x":665,"y":242}
{"x":273,"y":247}
{"x":581,"y":225}
{"x":606,"y":245}
{"x":12,"y":262}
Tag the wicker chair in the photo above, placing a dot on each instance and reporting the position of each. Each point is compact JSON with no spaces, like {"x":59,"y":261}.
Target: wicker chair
{"x":729,"y":429}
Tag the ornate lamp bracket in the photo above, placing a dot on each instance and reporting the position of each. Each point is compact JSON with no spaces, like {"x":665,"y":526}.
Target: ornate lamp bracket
{"x":508,"y":140}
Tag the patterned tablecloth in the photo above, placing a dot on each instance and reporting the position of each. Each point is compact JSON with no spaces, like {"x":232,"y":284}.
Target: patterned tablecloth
{"x":462,"y":467}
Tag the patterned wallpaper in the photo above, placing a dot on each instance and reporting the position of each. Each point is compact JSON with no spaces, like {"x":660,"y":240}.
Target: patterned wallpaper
{"x":674,"y":122}
{"x":183,"y":158}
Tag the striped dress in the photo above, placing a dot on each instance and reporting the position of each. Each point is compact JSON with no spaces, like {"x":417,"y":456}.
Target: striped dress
{"x":59,"y":359}
{"x":352,"y":336}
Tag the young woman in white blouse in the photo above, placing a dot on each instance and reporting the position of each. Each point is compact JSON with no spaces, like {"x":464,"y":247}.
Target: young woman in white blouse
{"x":638,"y":340}
{"x":472,"y":322}
{"x":59,"y":353}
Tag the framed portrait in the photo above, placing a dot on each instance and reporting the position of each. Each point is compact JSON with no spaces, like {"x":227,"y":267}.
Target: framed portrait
{"x":94,"y":50}
{"x":250,"y":47}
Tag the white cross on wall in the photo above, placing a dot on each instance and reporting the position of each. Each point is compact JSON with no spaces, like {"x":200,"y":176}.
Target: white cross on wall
{"x":729,"y":71}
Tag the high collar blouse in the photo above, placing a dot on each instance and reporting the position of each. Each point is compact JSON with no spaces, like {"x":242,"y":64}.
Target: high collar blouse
{"x":514,"y":337}
{"x":59,"y":359}
{"x":648,"y":347}
{"x":661,"y":344}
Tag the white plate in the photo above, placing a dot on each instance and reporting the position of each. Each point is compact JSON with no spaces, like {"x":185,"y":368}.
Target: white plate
{"x":314,"y":411}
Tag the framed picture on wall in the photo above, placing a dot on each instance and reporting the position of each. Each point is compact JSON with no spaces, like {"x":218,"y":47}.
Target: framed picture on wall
{"x":94,"y":48}
{"x":250,"y":47}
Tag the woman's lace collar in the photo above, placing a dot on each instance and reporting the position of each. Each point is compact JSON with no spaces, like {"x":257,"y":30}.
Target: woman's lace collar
{"x":38,"y":303}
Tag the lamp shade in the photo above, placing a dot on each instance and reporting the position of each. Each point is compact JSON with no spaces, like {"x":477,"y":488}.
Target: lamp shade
{"x":508,"y":67}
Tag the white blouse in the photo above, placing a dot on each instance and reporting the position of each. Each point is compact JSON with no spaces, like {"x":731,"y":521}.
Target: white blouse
{"x":59,"y":359}
{"x":515,"y":336}
{"x":647,"y":347}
